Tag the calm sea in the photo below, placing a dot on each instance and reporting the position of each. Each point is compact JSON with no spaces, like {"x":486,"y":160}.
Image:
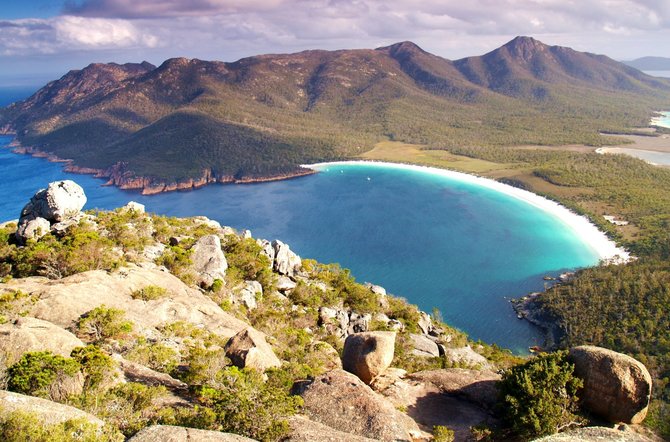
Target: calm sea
{"x":437,"y":242}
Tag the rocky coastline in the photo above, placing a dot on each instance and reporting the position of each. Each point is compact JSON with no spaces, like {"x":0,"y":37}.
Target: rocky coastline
{"x":118,"y":175}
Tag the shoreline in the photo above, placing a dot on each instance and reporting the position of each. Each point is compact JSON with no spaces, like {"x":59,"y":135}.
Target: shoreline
{"x":586,"y":231}
{"x":663,"y":120}
{"x":117,"y":175}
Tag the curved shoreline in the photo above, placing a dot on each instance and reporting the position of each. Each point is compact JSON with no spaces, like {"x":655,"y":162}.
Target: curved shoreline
{"x":588,"y":233}
{"x":118,"y":176}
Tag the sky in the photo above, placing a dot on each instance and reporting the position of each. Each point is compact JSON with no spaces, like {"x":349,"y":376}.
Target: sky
{"x":41,"y":40}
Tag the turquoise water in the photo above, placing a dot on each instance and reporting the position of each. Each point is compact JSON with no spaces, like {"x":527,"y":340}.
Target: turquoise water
{"x":662,"y":120}
{"x":438,"y":242}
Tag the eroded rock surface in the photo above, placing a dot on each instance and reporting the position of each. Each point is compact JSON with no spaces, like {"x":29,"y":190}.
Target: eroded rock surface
{"x":31,"y":334}
{"x":342,"y":401}
{"x":169,"y":433}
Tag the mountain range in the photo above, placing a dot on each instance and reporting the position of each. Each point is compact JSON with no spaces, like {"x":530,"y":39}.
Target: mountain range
{"x":189,"y":122}
{"x":650,"y":63}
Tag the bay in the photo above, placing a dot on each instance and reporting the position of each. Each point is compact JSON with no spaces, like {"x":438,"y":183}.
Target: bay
{"x":439,"y":242}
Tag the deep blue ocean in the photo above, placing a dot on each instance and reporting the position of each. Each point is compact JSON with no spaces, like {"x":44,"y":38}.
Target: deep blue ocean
{"x":436,"y":241}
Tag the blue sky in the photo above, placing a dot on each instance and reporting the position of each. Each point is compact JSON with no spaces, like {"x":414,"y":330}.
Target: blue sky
{"x":40,"y":40}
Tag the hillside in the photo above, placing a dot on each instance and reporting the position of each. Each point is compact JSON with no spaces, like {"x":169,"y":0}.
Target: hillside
{"x":189,"y":122}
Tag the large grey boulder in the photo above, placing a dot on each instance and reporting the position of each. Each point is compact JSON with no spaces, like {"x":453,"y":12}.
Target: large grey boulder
{"x":423,"y":346}
{"x":368,"y":354}
{"x":616,"y":386}
{"x":285,"y":261}
{"x":208,"y":259}
{"x":169,"y":433}
{"x":342,"y":401}
{"x":30,"y":334}
{"x":59,"y":201}
{"x":49,"y":412}
{"x":249,"y":349}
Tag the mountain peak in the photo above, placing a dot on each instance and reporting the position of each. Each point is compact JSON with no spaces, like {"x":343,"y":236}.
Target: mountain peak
{"x":524,"y":47}
{"x":402,"y":47}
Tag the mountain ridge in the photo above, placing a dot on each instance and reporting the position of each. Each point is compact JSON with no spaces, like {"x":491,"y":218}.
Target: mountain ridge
{"x":321,"y":105}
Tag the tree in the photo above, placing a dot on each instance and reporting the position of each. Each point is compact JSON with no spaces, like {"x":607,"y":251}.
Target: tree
{"x":540,"y":396}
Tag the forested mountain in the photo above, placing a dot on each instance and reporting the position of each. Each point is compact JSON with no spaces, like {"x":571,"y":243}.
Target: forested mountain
{"x":189,"y":122}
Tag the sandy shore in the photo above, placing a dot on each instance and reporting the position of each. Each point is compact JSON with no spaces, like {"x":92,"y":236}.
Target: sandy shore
{"x":587,"y":232}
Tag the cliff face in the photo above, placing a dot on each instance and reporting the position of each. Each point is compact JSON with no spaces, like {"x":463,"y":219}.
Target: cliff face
{"x":262,"y":116}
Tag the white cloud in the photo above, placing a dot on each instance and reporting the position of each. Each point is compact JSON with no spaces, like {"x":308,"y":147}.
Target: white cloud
{"x":67,"y":33}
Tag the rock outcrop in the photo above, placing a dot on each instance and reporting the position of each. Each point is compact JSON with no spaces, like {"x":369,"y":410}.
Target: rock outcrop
{"x":595,"y":434}
{"x":49,"y":412}
{"x":31,"y":334}
{"x":63,"y":301}
{"x":616,"y":386}
{"x":208,"y":259}
{"x":169,"y":433}
{"x":305,"y":430}
{"x":285,"y":261}
{"x":249,"y":349}
{"x":342,"y":401}
{"x":248,"y":293}
{"x":368,"y":354}
{"x":55,"y":204}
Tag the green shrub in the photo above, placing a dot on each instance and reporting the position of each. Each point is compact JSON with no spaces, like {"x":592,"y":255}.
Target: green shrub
{"x":177,"y":260}
{"x":103,"y":323}
{"x":203,"y":365}
{"x":131,"y":406}
{"x":19,"y":426}
{"x":80,"y":250}
{"x":246,"y":262}
{"x":246,"y":405}
{"x":15,"y":303}
{"x":156,"y":356}
{"x":540,"y":396}
{"x":442,"y":434}
{"x":97,"y":366}
{"x":149,"y":293}
{"x":40,"y":373}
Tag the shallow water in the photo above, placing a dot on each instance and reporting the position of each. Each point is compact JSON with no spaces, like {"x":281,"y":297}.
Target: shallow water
{"x":650,"y":156}
{"x":662,"y":120}
{"x":438,"y":242}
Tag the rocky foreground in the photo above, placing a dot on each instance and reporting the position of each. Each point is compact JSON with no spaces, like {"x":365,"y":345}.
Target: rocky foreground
{"x":169,"y":324}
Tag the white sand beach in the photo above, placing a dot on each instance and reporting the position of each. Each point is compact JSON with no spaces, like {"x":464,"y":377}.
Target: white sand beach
{"x":587,"y":232}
